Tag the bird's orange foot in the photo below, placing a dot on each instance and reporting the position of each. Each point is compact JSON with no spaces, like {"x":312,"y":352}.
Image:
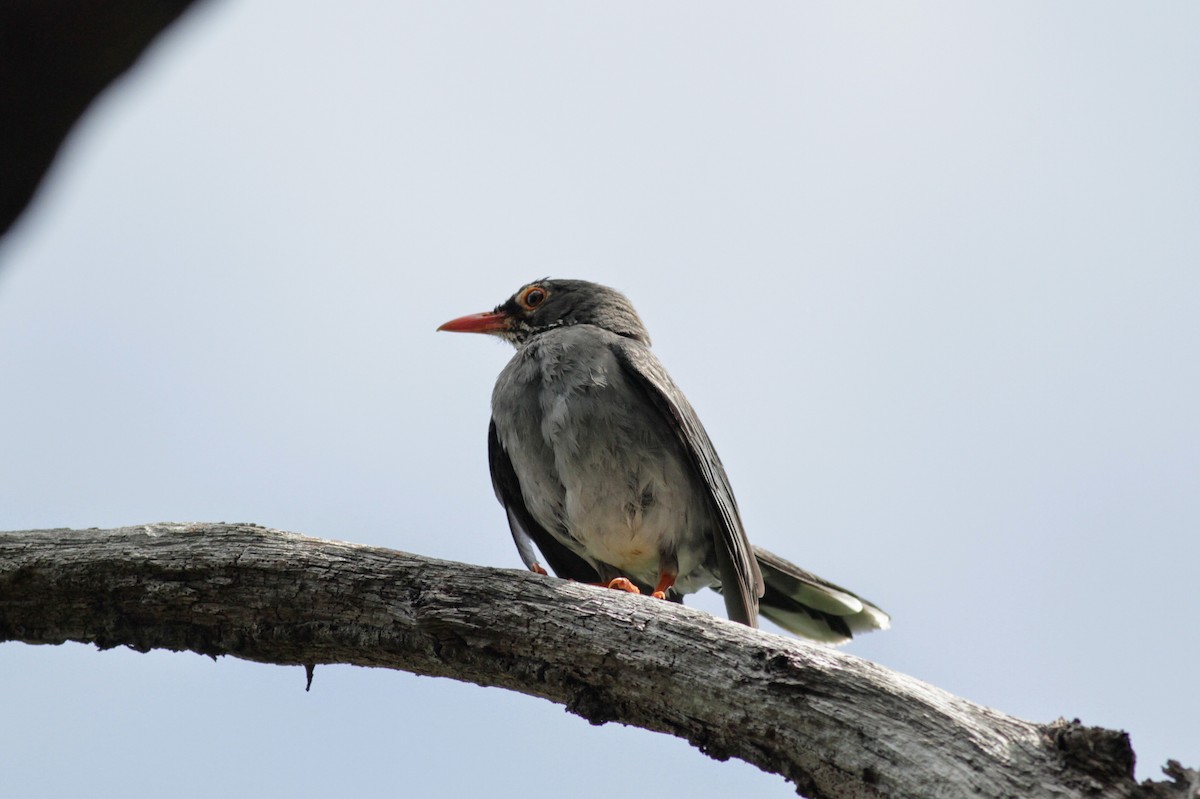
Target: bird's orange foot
{"x":536,"y":568}
{"x":665,"y":581}
{"x":623,"y":584}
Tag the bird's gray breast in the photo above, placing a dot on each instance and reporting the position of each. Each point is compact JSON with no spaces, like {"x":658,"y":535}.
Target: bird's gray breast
{"x":599,"y":466}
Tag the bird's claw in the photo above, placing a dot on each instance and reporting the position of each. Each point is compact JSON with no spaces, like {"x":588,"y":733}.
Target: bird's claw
{"x":623,"y":584}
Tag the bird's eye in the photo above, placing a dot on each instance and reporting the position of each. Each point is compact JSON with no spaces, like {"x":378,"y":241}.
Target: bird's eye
{"x":533,"y":297}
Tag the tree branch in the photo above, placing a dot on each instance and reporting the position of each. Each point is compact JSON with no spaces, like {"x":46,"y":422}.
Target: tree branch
{"x":56,"y":57}
{"x":835,"y":725}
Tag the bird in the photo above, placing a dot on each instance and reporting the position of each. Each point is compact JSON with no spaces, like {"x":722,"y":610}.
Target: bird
{"x":607,"y":475}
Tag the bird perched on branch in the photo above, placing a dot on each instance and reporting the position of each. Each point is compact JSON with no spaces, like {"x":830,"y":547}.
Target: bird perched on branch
{"x":602,"y":465}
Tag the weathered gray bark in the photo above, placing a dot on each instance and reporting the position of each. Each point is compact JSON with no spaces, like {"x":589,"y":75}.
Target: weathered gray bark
{"x":835,"y":725}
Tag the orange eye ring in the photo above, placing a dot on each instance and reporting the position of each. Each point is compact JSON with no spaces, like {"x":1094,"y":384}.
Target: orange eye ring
{"x":532,"y":297}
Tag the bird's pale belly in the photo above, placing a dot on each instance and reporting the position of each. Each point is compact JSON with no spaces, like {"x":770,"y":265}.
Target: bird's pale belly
{"x":631,"y":530}
{"x":627,"y":504}
{"x":598,"y":468}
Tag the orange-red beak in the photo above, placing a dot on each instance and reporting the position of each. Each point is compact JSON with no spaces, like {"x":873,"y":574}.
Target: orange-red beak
{"x":493,"y":322}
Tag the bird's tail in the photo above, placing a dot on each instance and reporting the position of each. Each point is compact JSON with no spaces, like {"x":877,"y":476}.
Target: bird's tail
{"x":804,"y":604}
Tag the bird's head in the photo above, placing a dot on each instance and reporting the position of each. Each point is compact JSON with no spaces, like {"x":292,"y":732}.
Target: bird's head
{"x":548,"y":304}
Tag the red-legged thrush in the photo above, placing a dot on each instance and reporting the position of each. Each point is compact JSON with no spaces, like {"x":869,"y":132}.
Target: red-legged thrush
{"x":601,"y":463}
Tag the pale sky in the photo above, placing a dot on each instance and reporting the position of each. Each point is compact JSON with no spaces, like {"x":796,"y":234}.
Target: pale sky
{"x":929,"y":272}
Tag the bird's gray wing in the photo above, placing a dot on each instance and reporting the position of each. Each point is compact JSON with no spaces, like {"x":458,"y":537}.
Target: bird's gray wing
{"x":741,"y":582}
{"x":808,"y":605}
{"x":526,"y":532}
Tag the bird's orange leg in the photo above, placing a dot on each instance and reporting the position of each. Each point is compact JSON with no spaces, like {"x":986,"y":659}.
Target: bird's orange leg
{"x":665,"y":581}
{"x":623,"y":584}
